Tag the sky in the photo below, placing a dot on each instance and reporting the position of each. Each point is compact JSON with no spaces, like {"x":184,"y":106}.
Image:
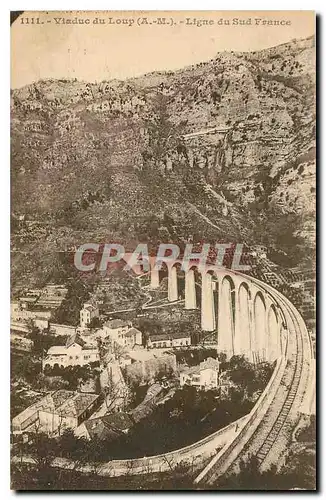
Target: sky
{"x":93,"y":52}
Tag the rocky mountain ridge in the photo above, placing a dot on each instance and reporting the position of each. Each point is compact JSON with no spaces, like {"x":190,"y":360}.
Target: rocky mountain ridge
{"x":233,"y":137}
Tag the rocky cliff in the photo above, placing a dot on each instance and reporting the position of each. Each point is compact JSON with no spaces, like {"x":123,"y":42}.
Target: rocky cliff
{"x":223,"y":150}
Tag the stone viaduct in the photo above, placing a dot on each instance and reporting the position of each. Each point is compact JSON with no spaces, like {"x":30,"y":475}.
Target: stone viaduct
{"x":246,"y":318}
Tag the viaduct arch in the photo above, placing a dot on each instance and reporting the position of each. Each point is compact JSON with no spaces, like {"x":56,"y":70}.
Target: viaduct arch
{"x":244,"y":317}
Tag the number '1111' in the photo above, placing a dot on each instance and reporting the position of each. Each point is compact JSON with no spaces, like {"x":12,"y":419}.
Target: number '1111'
{"x":30,"y":20}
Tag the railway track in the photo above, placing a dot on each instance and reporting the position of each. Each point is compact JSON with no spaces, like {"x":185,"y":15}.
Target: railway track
{"x":268,"y":440}
{"x":274,"y":432}
{"x":282,"y":403}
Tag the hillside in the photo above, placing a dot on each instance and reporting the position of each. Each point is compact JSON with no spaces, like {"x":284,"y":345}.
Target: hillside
{"x":117,"y":161}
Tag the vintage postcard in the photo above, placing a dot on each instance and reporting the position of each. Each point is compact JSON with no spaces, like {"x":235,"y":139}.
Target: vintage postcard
{"x":163,"y":198}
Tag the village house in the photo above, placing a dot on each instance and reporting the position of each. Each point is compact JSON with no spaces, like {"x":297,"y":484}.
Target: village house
{"x":120,"y":332}
{"x":112,"y":426}
{"x":52,"y":296}
{"x":87,"y":313}
{"x":20,"y":343}
{"x":107,"y":427}
{"x":116,"y":327}
{"x":133,"y":336}
{"x":56,"y":412}
{"x":57,"y":329}
{"x":21,"y":315}
{"x":204,"y":376}
{"x":75,"y":353}
{"x":177,"y":339}
{"x":28,"y":300}
{"x":147,"y":364}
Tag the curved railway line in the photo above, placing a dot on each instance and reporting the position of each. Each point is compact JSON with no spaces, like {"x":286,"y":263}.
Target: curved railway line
{"x":270,"y":438}
{"x":274,"y":432}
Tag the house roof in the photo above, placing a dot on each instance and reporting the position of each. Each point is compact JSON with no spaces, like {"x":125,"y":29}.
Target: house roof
{"x":180,"y":335}
{"x":109,"y":426}
{"x":29,"y":411}
{"x":58,"y":398}
{"x":210,"y":363}
{"x":132,"y":331}
{"x":148,"y":404}
{"x":50,"y":402}
{"x":116,"y":323}
{"x":119,"y":421}
{"x":65,"y":402}
{"x":142,"y":411}
{"x":143,"y":355}
{"x":57,"y":350}
{"x":76,"y":405}
{"x":156,"y":337}
{"x":96,"y":428}
{"x":192,"y":370}
{"x":75,"y":339}
{"x":153,"y":391}
{"x":89,"y":307}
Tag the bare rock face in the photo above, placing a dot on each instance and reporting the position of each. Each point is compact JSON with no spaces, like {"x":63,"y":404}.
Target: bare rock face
{"x":233,"y":137}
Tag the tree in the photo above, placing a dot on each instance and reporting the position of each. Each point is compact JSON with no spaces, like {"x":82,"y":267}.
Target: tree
{"x":95,"y":323}
{"x":77,"y":295}
{"x":240,"y":370}
{"x":26,"y":368}
{"x":43,"y":450}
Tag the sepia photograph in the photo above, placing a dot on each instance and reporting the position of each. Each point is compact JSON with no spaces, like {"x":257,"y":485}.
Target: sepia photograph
{"x":163,"y":250}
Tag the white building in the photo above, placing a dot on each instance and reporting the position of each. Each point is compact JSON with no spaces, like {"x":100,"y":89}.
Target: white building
{"x":120,"y":332}
{"x":88,"y":313}
{"x":75,"y":352}
{"x":132,"y":337}
{"x":204,"y":376}
{"x":57,"y":411}
{"x":163,"y":340}
{"x":21,"y":315}
{"x":116,"y":327}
